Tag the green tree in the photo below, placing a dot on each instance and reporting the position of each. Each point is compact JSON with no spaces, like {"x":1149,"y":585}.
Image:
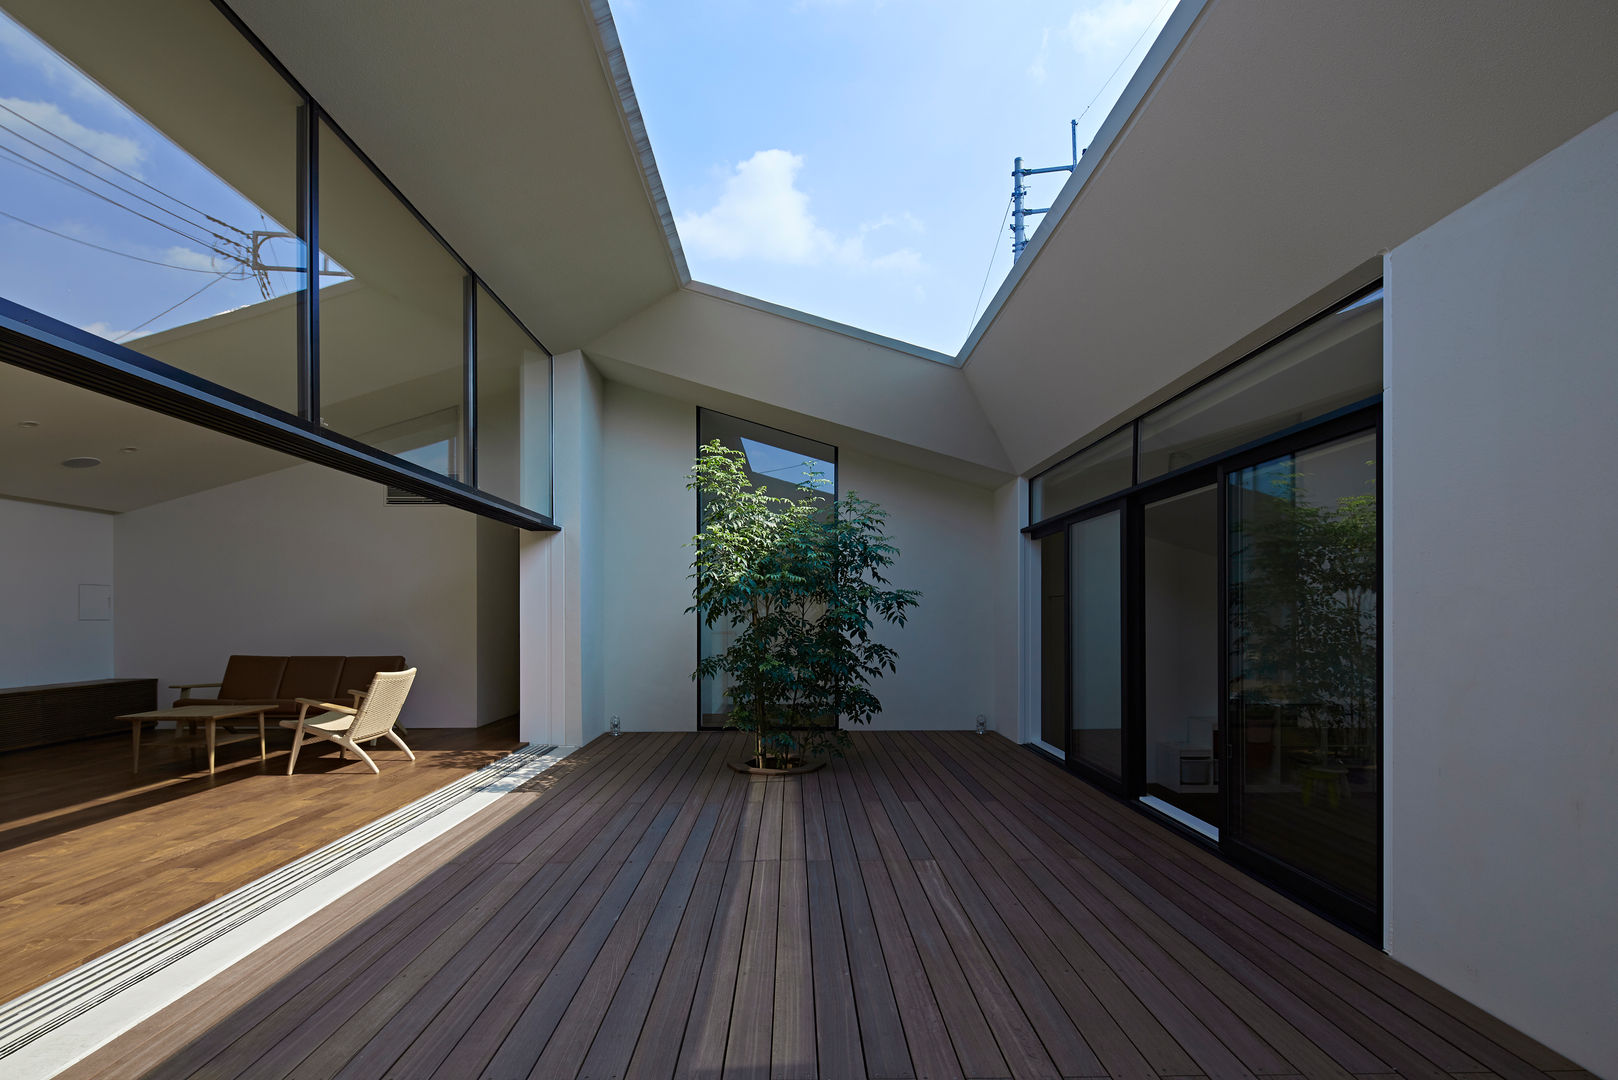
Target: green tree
{"x":800,"y":582}
{"x":1309,"y":601}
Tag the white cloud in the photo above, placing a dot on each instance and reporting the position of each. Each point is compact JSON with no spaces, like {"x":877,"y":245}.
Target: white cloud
{"x":105,"y":330}
{"x":119,"y":150}
{"x":1104,"y":29}
{"x":193,"y":260}
{"x":1036,"y":70}
{"x":762,"y":214}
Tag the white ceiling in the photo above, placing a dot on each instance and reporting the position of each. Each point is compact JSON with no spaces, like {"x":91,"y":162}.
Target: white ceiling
{"x":172,"y":458}
{"x":1283,"y":147}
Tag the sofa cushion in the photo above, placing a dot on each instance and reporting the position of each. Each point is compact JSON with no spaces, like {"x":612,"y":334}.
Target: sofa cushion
{"x":310,"y":677}
{"x":358,"y":671}
{"x":252,"y":678}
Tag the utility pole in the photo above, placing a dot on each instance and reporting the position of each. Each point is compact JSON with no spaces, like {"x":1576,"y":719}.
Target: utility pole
{"x":1019,"y":236}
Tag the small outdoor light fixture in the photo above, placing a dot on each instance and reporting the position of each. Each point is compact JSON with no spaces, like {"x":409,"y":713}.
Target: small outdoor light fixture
{"x":983,"y":724}
{"x":81,"y":463}
{"x":616,"y":729}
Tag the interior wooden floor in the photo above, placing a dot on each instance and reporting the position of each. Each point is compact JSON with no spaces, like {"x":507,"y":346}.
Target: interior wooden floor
{"x":93,"y":855}
{"x":934,"y":905}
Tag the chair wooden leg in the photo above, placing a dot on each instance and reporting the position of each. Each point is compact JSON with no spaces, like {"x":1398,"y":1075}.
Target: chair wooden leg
{"x":350,"y":744}
{"x":393,"y":737}
{"x":297,"y":744}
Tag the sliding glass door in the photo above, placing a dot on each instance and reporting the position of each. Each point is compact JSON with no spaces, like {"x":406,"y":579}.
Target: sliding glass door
{"x":1210,"y":610}
{"x":1302,"y":666}
{"x":1096,"y":645}
{"x":1180,"y":615}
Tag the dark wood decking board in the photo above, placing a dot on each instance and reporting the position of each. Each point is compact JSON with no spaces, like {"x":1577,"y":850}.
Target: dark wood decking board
{"x":933,"y":905}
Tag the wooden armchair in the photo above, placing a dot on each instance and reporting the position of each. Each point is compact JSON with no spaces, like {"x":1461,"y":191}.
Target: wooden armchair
{"x":374,"y":715}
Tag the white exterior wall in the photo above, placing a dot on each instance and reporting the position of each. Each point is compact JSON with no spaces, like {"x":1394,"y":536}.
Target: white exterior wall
{"x":559,"y":579}
{"x":944,"y":529}
{"x":1502,"y":600}
{"x":650,"y":644}
{"x":303,"y":561}
{"x":1010,"y":564}
{"x":46,"y":553}
{"x":945,"y":532}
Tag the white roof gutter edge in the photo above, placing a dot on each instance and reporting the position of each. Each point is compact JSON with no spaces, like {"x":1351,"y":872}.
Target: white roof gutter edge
{"x":822,"y":324}
{"x":612,"y":56}
{"x":1174,"y":33}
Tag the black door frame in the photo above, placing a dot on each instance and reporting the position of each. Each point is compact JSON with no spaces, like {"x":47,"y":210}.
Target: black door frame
{"x":1178,"y":484}
{"x":1355,"y":914}
{"x":1361,"y":418}
{"x":1127,"y":619}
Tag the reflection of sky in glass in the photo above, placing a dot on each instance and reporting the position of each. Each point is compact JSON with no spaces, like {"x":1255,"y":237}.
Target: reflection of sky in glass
{"x":107,"y":224}
{"x":795,"y":468}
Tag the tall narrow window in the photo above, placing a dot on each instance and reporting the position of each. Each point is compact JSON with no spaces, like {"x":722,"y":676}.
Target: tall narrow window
{"x":785,"y":465}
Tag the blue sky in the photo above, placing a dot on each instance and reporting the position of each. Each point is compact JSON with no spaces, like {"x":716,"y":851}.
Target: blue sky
{"x":852,"y":158}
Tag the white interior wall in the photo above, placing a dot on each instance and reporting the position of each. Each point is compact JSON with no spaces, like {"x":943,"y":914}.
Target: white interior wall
{"x":1182,"y":653}
{"x":46,"y":553}
{"x":302,"y":561}
{"x":1502,"y":600}
{"x":497,"y":623}
{"x":944,"y":529}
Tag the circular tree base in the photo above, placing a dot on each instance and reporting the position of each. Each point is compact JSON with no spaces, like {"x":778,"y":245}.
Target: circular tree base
{"x":748,"y":766}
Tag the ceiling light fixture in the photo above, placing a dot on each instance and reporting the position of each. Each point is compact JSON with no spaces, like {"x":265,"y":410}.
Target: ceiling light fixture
{"x":128,"y":449}
{"x":81,"y":463}
{"x":28,"y":423}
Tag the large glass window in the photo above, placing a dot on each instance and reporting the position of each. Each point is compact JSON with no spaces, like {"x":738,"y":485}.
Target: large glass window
{"x":392,"y":335}
{"x":1210,"y":625}
{"x":1332,"y":362}
{"x":787,"y":466}
{"x":148,"y":159}
{"x":1303,"y":683}
{"x":514,"y":409}
{"x":1085,"y":477}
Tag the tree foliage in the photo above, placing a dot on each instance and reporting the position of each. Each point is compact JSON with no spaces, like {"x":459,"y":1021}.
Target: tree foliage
{"x":1309,"y":602}
{"x":800,"y":582}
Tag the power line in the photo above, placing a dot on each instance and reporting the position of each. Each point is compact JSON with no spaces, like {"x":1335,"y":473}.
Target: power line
{"x":116,"y":169}
{"x":1130,"y":52}
{"x":217,"y":279}
{"x":116,"y":187}
{"x":990,"y":268}
{"x":145,"y":217}
{"x":98,"y":247}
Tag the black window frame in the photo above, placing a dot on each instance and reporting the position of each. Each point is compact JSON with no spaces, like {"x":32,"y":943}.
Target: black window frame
{"x":1360,"y":417}
{"x":37,"y":342}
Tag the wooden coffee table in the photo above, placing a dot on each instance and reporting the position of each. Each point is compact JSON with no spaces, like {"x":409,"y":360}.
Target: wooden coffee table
{"x":207,"y":715}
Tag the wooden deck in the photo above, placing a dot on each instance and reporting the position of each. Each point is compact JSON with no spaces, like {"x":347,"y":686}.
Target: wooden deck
{"x":92,"y":855}
{"x":935,"y":905}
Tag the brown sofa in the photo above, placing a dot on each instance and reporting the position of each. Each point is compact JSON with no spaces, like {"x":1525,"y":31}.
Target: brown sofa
{"x":281,"y":680}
